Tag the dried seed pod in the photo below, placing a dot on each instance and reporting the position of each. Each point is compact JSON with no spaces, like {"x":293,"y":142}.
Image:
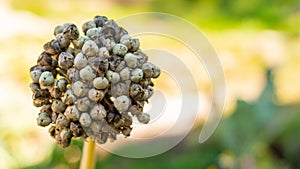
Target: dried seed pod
{"x":136,"y":91}
{"x":62,"y":41}
{"x":99,"y":64}
{"x":143,"y":118}
{"x":113,"y":77}
{"x":119,"y":49}
{"x":53,"y":117}
{"x":73,"y":74}
{"x":58,"y":29}
{"x":46,"y":79}
{"x":66,"y":134}
{"x":100,"y":83}
{"x":125,"y":38}
{"x":58,"y":106}
{"x":98,"y":112}
{"x":131,"y":60}
{"x":91,"y":32}
{"x":61,"y":84}
{"x":71,"y":32}
{"x":132,"y":44}
{"x":83,"y":104}
{"x":68,"y":97}
{"x":120,"y":89}
{"x":80,"y":41}
{"x":122,"y":103}
{"x":34,"y":87}
{"x":87,"y":74}
{"x":62,"y":121}
{"x":52,"y":131}
{"x":95,"y":95}
{"x":103,"y":52}
{"x":95,"y":127}
{"x":108,"y":43}
{"x":45,"y":60}
{"x":55,"y":92}
{"x":72,"y":113}
{"x":80,"y":61}
{"x":136,"y":75}
{"x":90,"y":48}
{"x":43,"y":119}
{"x":80,"y":89}
{"x":85,"y":120}
{"x":65,"y":60}
{"x":135,"y":109}
{"x":52,"y":47}
{"x":35,"y":74}
{"x":125,"y":74}
{"x":100,"y":20}
{"x":126,"y":131}
{"x":88,"y":25}
{"x":76,"y":129}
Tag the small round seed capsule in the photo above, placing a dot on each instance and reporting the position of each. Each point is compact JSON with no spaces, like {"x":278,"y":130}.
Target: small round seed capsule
{"x":88,"y":25}
{"x":113,"y":77}
{"x":80,"y":41}
{"x":58,"y":106}
{"x":119,"y":89}
{"x":136,"y":91}
{"x":62,"y":41}
{"x":45,"y":59}
{"x":61,"y":84}
{"x":121,"y":66}
{"x":96,"y":95}
{"x":46,"y":79}
{"x":156,"y":72}
{"x":100,"y":83}
{"x":53,"y":117}
{"x":122,"y":103}
{"x":109,"y":44}
{"x":80,"y":61}
{"x":58,"y":29}
{"x":85,"y":120}
{"x":68,"y":97}
{"x":132,"y":44}
{"x":83,"y":104}
{"x":52,"y":130}
{"x":136,"y":109}
{"x":136,"y":75}
{"x":34,"y":87}
{"x":131,"y":60}
{"x":80,"y":89}
{"x":119,"y":49}
{"x":100,"y":20}
{"x":98,"y":112}
{"x":125,"y":74}
{"x":62,"y":121}
{"x":65,"y":60}
{"x":73,"y":74}
{"x":35,"y":75}
{"x":87,"y":74}
{"x":76,"y":129}
{"x":143,"y":118}
{"x":124,"y":38}
{"x":72,"y":113}
{"x":126,"y":131}
{"x":91,"y":32}
{"x":66,"y":134}
{"x":52,"y":47}
{"x":90,"y":48}
{"x":71,"y":32}
{"x":103,"y":52}
{"x":43,"y":119}
{"x":55,"y":92}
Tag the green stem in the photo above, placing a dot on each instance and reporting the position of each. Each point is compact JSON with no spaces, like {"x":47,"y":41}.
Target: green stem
{"x":88,"y":156}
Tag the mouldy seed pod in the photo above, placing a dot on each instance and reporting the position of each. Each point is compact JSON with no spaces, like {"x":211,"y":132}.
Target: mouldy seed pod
{"x":43,"y":119}
{"x":122,"y":103}
{"x":91,"y":85}
{"x":85,"y":120}
{"x":90,"y":48}
{"x":46,"y":79}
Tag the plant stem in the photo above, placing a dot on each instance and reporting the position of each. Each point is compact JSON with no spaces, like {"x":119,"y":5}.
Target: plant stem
{"x":88,"y":156}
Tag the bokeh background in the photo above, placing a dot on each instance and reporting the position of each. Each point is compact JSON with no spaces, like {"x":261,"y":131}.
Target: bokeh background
{"x":258,"y":44}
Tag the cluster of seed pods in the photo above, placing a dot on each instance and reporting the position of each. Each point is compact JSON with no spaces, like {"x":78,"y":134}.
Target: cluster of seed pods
{"x":91,"y":85}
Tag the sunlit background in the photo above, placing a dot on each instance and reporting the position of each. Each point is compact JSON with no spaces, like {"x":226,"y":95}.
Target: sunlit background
{"x":258,"y":44}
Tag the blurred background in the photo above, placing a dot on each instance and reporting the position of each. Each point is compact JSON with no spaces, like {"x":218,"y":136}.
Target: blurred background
{"x":258,"y":44}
